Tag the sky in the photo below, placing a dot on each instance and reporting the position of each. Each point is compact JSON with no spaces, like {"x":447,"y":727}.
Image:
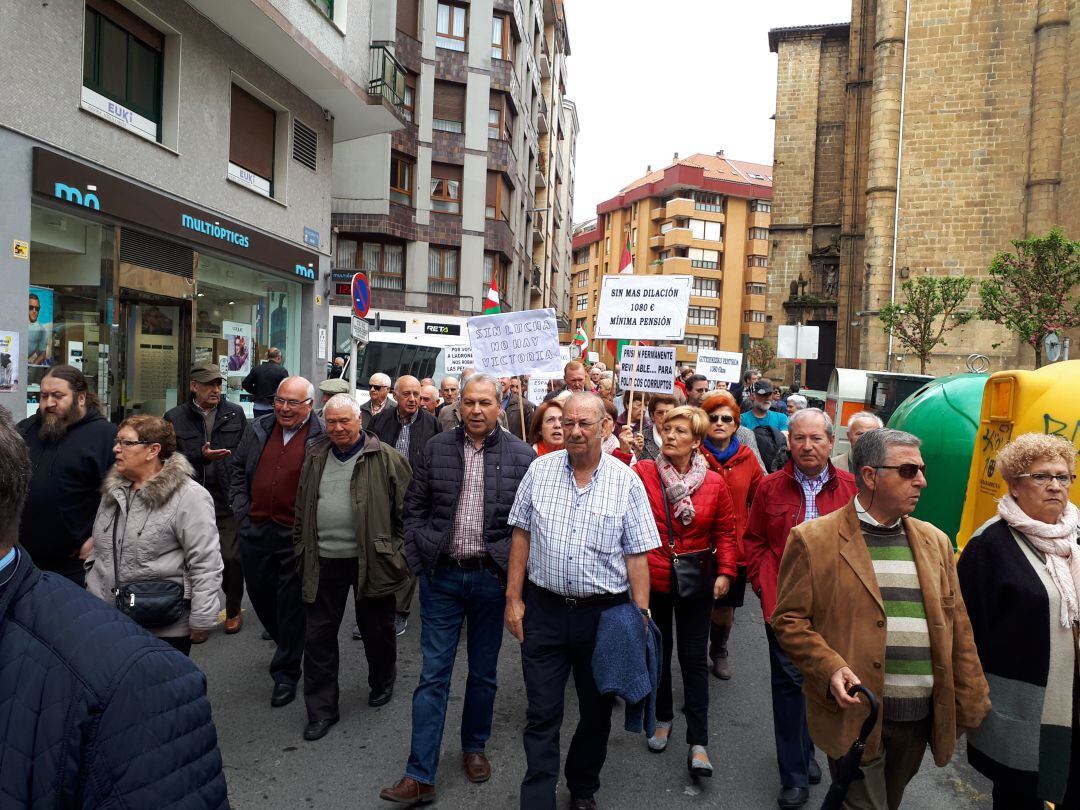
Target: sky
{"x":655,"y":77}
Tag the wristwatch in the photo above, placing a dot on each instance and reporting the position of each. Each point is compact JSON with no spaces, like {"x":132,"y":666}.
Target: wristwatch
{"x":645,"y":612}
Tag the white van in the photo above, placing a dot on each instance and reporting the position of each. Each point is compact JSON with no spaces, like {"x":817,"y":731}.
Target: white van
{"x":398,"y":353}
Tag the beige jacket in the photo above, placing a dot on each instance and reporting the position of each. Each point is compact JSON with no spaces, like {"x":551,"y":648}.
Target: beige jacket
{"x":166,"y":530}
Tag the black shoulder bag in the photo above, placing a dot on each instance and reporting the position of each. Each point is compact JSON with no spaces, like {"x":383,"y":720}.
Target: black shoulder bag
{"x":693,"y":573}
{"x":147,"y":602}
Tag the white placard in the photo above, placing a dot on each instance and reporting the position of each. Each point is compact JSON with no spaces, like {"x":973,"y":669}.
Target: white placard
{"x":458,"y":358}
{"x":564,"y":354}
{"x":237,"y":347}
{"x":655,"y":369}
{"x":718,"y":366}
{"x":322,"y":342}
{"x":594,"y":357}
{"x":797,"y":342}
{"x":643,"y":307}
{"x":515,"y":342}
{"x":359,"y":330}
{"x":538,"y":389}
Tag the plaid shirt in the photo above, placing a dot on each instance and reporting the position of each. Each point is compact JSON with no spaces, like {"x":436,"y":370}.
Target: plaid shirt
{"x":580,"y":535}
{"x":402,"y":443}
{"x":810,"y":488}
{"x":467,"y":539}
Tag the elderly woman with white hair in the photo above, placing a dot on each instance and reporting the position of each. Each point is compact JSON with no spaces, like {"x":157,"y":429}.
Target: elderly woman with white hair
{"x":796,"y":402}
{"x":1020,"y":579}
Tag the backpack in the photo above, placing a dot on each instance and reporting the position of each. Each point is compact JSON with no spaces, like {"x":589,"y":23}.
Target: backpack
{"x":772,"y":446}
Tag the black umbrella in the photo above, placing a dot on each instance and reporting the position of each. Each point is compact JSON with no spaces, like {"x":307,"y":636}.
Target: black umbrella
{"x":847,"y":767}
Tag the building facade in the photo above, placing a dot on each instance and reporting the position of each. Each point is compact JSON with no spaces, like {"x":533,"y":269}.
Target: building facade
{"x":911,"y":146}
{"x":162,"y":214}
{"x":704,"y":216}
{"x":479,"y":183}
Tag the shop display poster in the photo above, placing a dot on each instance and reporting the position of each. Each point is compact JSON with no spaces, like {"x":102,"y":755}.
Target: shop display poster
{"x":9,"y":361}
{"x":238,"y":342}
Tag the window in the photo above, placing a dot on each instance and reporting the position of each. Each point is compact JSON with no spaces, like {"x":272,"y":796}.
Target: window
{"x":706,"y":201}
{"x":694,"y":343}
{"x":494,"y":264}
{"x":755,"y":289}
{"x":706,"y":287}
{"x":446,"y":188}
{"x":581,"y":255}
{"x":757,"y":261}
{"x":749,"y":316}
{"x":701,"y":316}
{"x":500,"y":28}
{"x":607,"y":246}
{"x":583,"y":279}
{"x":759,"y":233}
{"x":705,"y":259}
{"x":761,"y":206}
{"x":384,"y":265}
{"x":122,"y":63}
{"x":251,"y":142}
{"x":633,"y":237}
{"x":633,"y":210}
{"x":326,"y":7}
{"x":450,"y":27}
{"x":442,"y":270}
{"x":667,"y":226}
{"x":581,"y":302}
{"x":665,"y":255}
{"x":448,"y":109}
{"x":709,"y":231}
{"x":408,"y":99}
{"x":494,"y":123}
{"x":401,"y":179}
{"x":408,"y":17}
{"x":498,"y":197}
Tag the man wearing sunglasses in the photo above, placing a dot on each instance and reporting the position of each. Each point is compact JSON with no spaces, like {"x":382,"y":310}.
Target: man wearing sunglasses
{"x":869,"y":595}
{"x":262,"y":490}
{"x":380,"y":399}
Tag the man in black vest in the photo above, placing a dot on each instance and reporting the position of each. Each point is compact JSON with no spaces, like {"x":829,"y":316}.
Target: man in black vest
{"x":208,"y":430}
{"x":263,"y":381}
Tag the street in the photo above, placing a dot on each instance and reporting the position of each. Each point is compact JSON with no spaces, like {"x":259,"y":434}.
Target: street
{"x":268,"y":765}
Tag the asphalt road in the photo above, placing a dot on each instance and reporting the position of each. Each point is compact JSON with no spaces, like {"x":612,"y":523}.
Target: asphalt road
{"x":268,"y":764}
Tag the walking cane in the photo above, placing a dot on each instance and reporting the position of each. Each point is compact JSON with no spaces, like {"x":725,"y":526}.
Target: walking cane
{"x":847,"y":767}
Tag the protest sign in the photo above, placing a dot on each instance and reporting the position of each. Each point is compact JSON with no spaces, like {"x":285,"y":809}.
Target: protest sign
{"x":648,"y":369}
{"x":643,"y":307}
{"x":458,"y":358}
{"x":515,"y":342}
{"x":718,"y":366}
{"x":594,"y":357}
{"x":538,"y":388}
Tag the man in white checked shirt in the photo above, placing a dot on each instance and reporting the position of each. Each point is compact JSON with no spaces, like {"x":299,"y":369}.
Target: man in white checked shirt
{"x":582,"y":530}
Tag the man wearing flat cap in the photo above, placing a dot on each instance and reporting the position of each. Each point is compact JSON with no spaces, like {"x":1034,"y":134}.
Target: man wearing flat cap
{"x":330,"y":388}
{"x":208,"y":429}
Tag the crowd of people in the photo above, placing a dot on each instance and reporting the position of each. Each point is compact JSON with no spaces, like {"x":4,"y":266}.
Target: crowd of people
{"x":605,"y":534}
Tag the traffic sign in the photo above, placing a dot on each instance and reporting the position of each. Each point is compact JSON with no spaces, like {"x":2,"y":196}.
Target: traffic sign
{"x":359,"y":330}
{"x":361,"y":295}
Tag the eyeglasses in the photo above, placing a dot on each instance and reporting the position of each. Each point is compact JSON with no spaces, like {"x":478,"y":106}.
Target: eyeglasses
{"x":292,"y":403}
{"x":129,"y":442}
{"x":905,"y":471}
{"x":35,"y":309}
{"x":584,"y":424}
{"x":378,"y":387}
{"x":1044,"y":479}
{"x":726,"y":418}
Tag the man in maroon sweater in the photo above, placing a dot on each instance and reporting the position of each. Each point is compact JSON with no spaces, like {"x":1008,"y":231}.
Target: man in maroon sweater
{"x":262,"y":492}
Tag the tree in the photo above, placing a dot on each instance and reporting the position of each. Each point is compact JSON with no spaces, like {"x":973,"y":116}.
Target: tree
{"x":762,"y":356}
{"x":928,"y":312}
{"x":1032,"y":292}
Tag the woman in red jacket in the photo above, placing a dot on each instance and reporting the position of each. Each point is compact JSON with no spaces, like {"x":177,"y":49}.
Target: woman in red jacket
{"x":742,"y":473}
{"x":693,"y":500}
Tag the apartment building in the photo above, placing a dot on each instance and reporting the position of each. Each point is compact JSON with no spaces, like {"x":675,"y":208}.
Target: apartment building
{"x":167,"y":185}
{"x":479,"y":183}
{"x":705,"y":216}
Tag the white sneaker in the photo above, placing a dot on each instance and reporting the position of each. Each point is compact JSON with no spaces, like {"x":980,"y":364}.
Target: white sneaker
{"x":658,"y":741}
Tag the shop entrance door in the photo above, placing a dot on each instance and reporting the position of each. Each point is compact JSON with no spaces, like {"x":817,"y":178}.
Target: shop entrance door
{"x":155,"y":352}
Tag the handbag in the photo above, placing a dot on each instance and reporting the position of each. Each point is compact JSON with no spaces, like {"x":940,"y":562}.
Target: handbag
{"x":693,"y":573}
{"x":149,"y":603}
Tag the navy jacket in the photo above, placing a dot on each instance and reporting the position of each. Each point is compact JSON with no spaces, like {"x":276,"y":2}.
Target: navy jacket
{"x":432,"y":500}
{"x":626,"y":662}
{"x":387,"y":427}
{"x":96,"y":712}
{"x":229,"y":422}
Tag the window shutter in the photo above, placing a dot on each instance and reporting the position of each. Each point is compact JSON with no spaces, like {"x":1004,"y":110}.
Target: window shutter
{"x":305,"y":145}
{"x":446,"y":171}
{"x":251,"y":134}
{"x":408,"y":17}
{"x":449,"y":102}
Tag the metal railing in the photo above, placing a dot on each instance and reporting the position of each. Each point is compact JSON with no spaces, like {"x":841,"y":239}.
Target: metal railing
{"x":387,"y":78}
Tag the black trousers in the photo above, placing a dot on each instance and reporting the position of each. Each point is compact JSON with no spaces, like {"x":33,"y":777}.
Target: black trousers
{"x":560,"y":638}
{"x":232,"y":575}
{"x":273,"y":584}
{"x":690,"y":633}
{"x":181,"y":643}
{"x":67,"y":567}
{"x":374,"y":617}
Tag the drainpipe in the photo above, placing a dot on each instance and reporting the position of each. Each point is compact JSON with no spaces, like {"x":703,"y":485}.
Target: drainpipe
{"x":899,"y":165}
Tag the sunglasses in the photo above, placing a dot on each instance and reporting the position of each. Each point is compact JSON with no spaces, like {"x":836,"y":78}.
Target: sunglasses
{"x":905,"y":471}
{"x":726,"y":418}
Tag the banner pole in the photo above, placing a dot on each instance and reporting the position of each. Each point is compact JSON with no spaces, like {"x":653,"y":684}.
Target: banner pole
{"x":633,"y":381}
{"x":521,"y":407}
{"x":641,"y":427}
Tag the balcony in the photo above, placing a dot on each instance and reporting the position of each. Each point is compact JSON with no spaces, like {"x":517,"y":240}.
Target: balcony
{"x":755,"y":302}
{"x":387,"y":78}
{"x":558,"y":210}
{"x":545,"y":59}
{"x":757,"y":275}
{"x":519,"y":19}
{"x":538,"y":227}
{"x":540,"y":179}
{"x":658,"y":214}
{"x":759,"y":219}
{"x":678,"y":237}
{"x":680,"y":207}
{"x":676,"y":266}
{"x":755,"y":331}
{"x":536,"y":282}
{"x":542,"y":116}
{"x":757,"y":247}
{"x":656,"y":242}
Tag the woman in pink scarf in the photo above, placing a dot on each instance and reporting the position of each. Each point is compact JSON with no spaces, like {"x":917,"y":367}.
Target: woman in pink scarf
{"x":1020,"y":576}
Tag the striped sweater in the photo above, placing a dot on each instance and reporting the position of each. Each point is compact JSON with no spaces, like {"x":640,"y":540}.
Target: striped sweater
{"x":909,"y":671}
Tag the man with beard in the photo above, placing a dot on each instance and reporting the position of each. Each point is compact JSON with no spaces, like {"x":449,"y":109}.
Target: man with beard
{"x":71,"y":449}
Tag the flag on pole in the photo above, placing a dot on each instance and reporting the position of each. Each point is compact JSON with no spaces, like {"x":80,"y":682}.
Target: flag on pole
{"x":580,"y":338}
{"x":626,"y":264}
{"x":491,"y":303}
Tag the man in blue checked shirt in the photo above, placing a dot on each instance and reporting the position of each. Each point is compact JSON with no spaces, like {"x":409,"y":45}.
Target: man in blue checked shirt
{"x":582,"y":530}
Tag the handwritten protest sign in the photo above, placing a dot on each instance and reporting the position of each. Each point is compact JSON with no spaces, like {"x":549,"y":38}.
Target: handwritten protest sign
{"x":643,"y":307}
{"x":718,"y":366}
{"x":515,"y":342}
{"x":458,"y":358}
{"x":654,"y":372}
{"x":538,"y":388}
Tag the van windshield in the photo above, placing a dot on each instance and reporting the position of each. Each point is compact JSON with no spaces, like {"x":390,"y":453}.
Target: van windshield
{"x":395,"y":359}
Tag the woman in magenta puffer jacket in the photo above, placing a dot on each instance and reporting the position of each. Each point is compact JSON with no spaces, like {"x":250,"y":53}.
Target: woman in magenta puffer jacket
{"x":701,"y":517}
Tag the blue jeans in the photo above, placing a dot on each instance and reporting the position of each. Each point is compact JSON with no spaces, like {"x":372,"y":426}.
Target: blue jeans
{"x":449,"y":596}
{"x":794,"y":748}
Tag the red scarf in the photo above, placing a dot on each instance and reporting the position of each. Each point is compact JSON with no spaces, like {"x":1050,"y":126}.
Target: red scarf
{"x":542,"y":449}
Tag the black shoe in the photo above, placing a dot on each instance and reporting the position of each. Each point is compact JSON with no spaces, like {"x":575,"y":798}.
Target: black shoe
{"x":584,"y":804}
{"x":813,"y":771}
{"x":792,"y":797}
{"x":266,"y":636}
{"x":316,"y":729}
{"x":283,"y":694}
{"x":356,"y":634}
{"x":380,"y":697}
{"x":401,"y":624}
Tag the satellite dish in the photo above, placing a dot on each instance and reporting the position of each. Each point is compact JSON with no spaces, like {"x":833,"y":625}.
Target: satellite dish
{"x":1052,"y":346}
